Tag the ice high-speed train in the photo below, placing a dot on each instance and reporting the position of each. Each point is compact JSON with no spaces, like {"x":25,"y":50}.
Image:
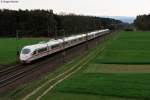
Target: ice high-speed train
{"x":33,"y":52}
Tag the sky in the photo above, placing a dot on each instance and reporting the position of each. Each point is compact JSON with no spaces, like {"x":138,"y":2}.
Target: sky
{"x":85,"y":7}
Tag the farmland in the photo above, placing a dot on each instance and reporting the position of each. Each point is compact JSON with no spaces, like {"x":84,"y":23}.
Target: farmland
{"x":120,"y":72}
{"x":8,"y":48}
{"x":129,"y":86}
{"x":128,"y":48}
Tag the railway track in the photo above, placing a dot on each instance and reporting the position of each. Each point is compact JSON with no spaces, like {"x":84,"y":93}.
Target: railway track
{"x":17,"y":72}
{"x":13,"y":74}
{"x":9,"y":70}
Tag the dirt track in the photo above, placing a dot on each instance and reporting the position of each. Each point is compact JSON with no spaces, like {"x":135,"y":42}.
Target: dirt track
{"x":117,"y":68}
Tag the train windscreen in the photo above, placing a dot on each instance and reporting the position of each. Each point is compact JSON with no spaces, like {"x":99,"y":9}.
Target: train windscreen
{"x":26,"y":51}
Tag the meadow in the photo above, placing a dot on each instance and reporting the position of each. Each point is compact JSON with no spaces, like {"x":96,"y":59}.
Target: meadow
{"x":9,"y":47}
{"x":120,"y":72}
{"x":128,"y":48}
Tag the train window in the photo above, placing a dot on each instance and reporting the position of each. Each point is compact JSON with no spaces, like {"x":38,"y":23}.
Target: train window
{"x":80,"y":38}
{"x":26,"y":51}
{"x":65,"y":43}
{"x":42,"y":50}
{"x":34,"y":53}
{"x":72,"y":41}
{"x":54,"y":46}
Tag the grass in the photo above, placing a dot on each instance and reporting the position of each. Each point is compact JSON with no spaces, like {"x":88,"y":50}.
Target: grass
{"x":8,"y":48}
{"x":134,"y":86}
{"x":128,"y":48}
{"x":73,"y":96}
{"x":120,"y":72}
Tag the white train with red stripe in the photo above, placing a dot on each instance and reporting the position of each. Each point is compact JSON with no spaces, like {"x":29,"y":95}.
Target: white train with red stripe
{"x":33,"y":52}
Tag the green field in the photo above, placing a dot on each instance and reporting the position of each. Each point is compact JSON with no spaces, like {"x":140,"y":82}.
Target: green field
{"x":120,"y":72}
{"x":128,"y":86}
{"x":128,"y":48}
{"x":8,"y":48}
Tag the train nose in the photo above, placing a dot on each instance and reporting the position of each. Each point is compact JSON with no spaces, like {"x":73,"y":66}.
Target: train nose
{"x":24,"y":57}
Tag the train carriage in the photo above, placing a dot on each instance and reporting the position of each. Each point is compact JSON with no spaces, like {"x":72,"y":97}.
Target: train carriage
{"x":33,"y":52}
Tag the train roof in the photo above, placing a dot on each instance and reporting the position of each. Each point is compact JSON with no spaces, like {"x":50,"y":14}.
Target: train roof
{"x":54,"y":42}
{"x":74,"y":37}
{"x":35,"y":46}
